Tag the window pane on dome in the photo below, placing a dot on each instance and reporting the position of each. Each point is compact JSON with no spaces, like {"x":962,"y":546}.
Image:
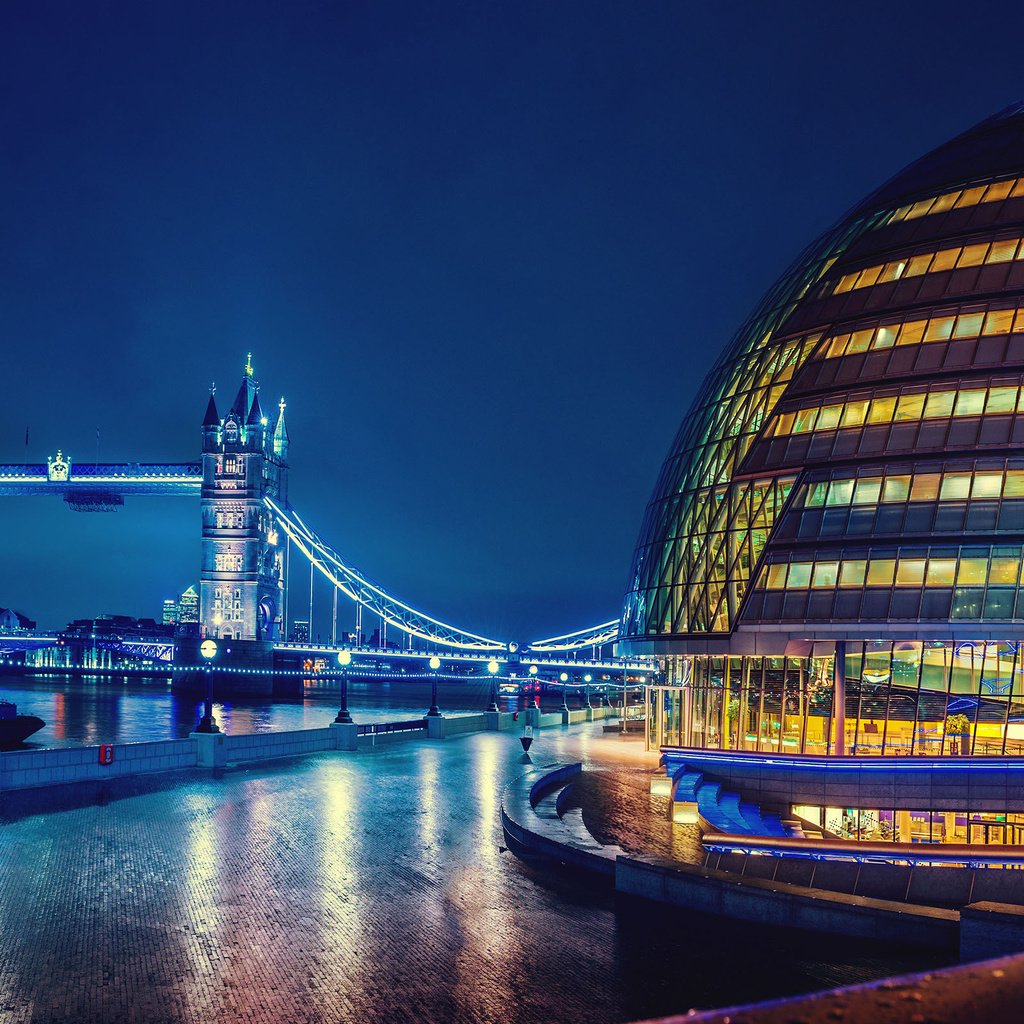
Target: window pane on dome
{"x":941,"y":572}
{"x":972,"y":571}
{"x":881,"y":571}
{"x":897,"y":488}
{"x":970,"y":403}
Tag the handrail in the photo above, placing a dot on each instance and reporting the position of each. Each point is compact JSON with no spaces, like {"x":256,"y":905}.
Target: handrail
{"x":869,"y":850}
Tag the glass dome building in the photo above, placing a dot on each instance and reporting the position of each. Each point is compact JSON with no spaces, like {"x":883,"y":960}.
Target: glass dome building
{"x":831,"y":558}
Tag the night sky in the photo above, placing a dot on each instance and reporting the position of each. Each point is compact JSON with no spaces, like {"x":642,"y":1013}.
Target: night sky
{"x":485,"y":250}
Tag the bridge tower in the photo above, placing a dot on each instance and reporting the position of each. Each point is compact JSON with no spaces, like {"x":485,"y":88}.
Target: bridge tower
{"x":242,"y":580}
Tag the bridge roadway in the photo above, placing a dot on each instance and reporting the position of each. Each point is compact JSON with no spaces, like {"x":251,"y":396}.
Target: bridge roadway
{"x":162,"y":650}
{"x":114,"y":481}
{"x":358,"y":887}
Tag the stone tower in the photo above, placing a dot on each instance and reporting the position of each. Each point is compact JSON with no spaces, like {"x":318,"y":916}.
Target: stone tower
{"x":242,"y":580}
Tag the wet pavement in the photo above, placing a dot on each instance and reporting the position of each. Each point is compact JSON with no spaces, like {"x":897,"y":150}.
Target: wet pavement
{"x":363,"y":887}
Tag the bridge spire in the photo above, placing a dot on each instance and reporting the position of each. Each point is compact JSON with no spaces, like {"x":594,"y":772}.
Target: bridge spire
{"x":281,"y":433}
{"x":212,"y":418}
{"x":248,"y":364}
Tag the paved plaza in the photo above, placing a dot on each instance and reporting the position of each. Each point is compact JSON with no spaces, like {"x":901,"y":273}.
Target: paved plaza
{"x":359,"y":887}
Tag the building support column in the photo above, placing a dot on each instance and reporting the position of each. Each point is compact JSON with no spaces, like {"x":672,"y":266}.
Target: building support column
{"x":839,"y":697}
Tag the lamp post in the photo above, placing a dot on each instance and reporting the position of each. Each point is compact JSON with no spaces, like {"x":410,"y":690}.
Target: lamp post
{"x":536,"y":695}
{"x":208,"y":651}
{"x":435,"y":664}
{"x":492,"y":668}
{"x":564,"y":678}
{"x":344,"y":660}
{"x":587,"y":679}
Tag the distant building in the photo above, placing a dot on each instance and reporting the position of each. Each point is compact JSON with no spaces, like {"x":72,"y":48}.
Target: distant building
{"x":11,"y":621}
{"x":188,"y":606}
{"x":300,"y":631}
{"x":170,"y":615}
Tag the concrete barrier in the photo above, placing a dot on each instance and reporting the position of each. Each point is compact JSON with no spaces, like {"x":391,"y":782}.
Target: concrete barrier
{"x":989,"y":930}
{"x":535,"y":833}
{"x":26,"y":769}
{"x":783,"y":905}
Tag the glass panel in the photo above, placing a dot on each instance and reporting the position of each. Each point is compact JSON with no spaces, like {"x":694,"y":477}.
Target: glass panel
{"x":998,"y":190}
{"x":969,"y":325}
{"x":777,"y":576}
{"x":918,"y":265}
{"x":941,"y":572}
{"x":1014,"y":486}
{"x":866,"y":492}
{"x":973,"y":255}
{"x":999,"y":321}
{"x":972,"y":571}
{"x":1004,"y":570}
{"x":944,"y":260}
{"x":859,"y":342}
{"x":970,"y":403}
{"x":911,"y":333}
{"x":939,"y":329}
{"x":881,"y":410}
{"x":910,"y":572}
{"x":854,"y":413}
{"x":987,"y":485}
{"x":800,"y":575}
{"x":885,"y":337}
{"x":1002,"y":252}
{"x":1001,"y":400}
{"x":910,"y":407}
{"x":825,"y":574}
{"x":925,"y":487}
{"x":955,"y":485}
{"x":852,"y":574}
{"x":880,"y":572}
{"x":939,"y":404}
{"x":897,"y":488}
{"x":840,"y":492}
{"x":829,"y":417}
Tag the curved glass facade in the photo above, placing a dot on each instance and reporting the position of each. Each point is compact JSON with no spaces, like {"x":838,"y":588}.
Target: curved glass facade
{"x":845,"y":498}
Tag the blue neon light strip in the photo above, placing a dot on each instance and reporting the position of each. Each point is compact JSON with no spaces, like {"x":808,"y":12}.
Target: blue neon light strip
{"x":835,"y":762}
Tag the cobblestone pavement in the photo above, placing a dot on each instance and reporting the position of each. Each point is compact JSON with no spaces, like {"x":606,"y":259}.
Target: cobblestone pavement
{"x":369,"y":887}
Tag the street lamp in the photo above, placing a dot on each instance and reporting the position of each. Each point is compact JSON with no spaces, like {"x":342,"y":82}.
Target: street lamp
{"x":208,"y":651}
{"x":344,"y":660}
{"x":492,"y":668}
{"x":564,"y":677}
{"x":587,"y":679}
{"x":435,"y":664}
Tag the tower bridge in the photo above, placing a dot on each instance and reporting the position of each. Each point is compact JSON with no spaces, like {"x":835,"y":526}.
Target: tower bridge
{"x":251,"y":532}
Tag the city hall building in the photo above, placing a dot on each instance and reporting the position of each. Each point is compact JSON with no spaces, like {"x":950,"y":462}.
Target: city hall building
{"x":830,"y":563}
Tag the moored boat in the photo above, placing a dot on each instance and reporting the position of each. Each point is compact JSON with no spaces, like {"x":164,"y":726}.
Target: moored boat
{"x":15,"y":728}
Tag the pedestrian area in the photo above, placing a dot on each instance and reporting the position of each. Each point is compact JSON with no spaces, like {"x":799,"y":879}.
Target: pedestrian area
{"x":357,"y":887}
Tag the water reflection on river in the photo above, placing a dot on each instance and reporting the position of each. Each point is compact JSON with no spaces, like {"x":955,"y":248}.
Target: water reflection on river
{"x":109,"y":710}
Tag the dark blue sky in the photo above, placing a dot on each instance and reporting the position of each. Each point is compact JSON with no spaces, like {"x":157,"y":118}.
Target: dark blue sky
{"x":485,"y":250}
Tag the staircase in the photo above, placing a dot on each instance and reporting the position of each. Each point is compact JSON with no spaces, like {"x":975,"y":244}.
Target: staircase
{"x":694,"y":800}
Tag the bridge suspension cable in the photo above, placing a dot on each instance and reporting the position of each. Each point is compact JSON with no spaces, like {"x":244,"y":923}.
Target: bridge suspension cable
{"x":358,"y":588}
{"x":592,"y":636}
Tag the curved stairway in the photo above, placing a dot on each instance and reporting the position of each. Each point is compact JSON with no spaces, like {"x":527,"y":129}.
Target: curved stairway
{"x":695,"y":800}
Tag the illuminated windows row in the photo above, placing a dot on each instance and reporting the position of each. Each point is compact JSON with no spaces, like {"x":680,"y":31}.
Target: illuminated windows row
{"x":935,"y":571}
{"x":917,"y":332}
{"x":948,"y":486}
{"x":959,"y":199}
{"x":975,"y":255}
{"x":900,"y":408}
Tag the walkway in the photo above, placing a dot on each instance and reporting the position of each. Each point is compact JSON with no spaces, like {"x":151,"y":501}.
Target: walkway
{"x":368,"y":888}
